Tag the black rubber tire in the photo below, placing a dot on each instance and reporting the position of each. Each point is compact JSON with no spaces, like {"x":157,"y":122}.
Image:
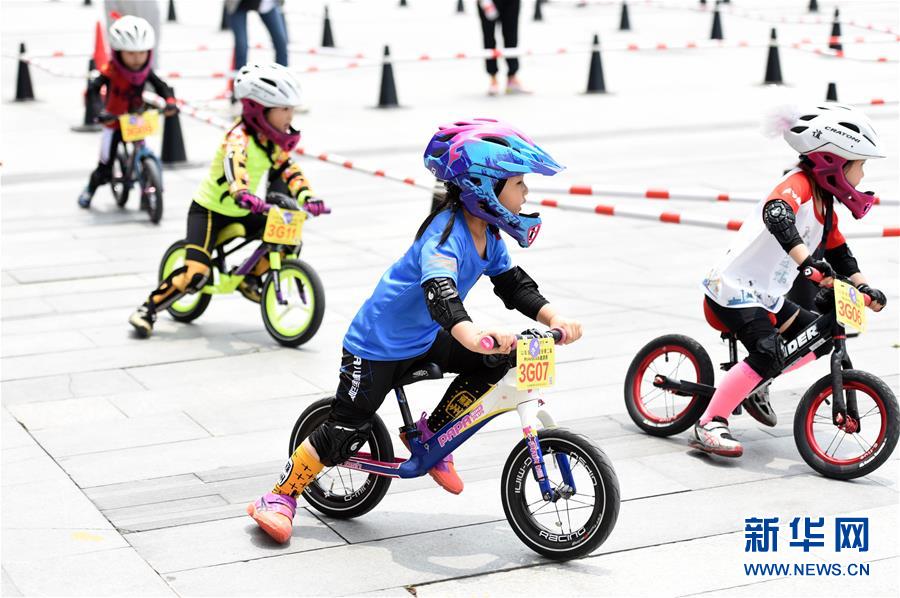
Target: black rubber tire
{"x":204,"y":298}
{"x":120,"y":189}
{"x":670,"y":343}
{"x":318,"y":292}
{"x":881,"y":449}
{"x":371,"y":492}
{"x":600,"y":523}
{"x":152,"y":178}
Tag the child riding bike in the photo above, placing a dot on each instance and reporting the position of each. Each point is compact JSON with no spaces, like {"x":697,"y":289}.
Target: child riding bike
{"x":416,"y":311}
{"x":745,"y":289}
{"x":261,"y":140}
{"x":131,"y":40}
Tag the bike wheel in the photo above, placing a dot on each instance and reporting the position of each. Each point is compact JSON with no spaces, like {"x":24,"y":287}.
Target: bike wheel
{"x":661,"y":412}
{"x":337,"y":491}
{"x":191,"y":306}
{"x":119,"y":182}
{"x":838,"y":451}
{"x":296,"y":321}
{"x":574,"y":525}
{"x":151,"y":189}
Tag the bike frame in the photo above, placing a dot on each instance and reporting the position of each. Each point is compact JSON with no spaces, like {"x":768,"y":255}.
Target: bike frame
{"x":228,"y":282}
{"x":500,"y":398}
{"x":820,"y":331}
{"x":138,"y":153}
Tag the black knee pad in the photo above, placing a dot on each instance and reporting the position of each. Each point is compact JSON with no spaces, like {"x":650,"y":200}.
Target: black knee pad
{"x":766,"y":347}
{"x":336,"y":442}
{"x":197,"y":282}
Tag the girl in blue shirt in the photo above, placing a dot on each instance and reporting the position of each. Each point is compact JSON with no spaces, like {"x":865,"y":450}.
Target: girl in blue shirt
{"x":416,"y":312}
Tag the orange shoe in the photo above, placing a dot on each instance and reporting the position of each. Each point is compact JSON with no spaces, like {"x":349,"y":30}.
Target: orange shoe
{"x":274,"y":513}
{"x":444,"y":473}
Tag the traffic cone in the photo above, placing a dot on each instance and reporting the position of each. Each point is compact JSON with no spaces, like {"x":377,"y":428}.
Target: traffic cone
{"x":538,"y":15}
{"x":595,"y":72}
{"x":327,"y":36}
{"x":831,"y":94}
{"x":387,"y":97}
{"x":834,"y":42}
{"x":173,"y":142}
{"x":93,"y":103}
{"x":87,"y":3}
{"x":101,"y":50}
{"x":703,"y":3}
{"x":24,"y":91}
{"x":717,"y":25}
{"x":223,"y":26}
{"x":402,"y":2}
{"x":813,"y":6}
{"x":773,"y":66}
{"x":624,"y":23}
{"x":172,"y":18}
{"x":460,"y":7}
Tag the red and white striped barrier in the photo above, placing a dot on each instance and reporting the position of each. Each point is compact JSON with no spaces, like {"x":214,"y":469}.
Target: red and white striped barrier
{"x":828,"y":53}
{"x":699,"y":194}
{"x":201,"y":48}
{"x":29,"y":60}
{"x":695,"y":219}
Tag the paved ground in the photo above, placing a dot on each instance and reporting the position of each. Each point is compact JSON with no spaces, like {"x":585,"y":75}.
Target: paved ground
{"x":127,"y":464}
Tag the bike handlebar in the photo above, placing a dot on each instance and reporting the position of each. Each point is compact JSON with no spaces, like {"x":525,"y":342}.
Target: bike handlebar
{"x":557,"y":334}
{"x":817,"y":277}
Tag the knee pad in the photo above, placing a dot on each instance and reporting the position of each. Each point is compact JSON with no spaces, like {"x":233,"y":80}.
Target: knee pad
{"x":336,"y":442}
{"x":193,"y":275}
{"x":767,"y":357}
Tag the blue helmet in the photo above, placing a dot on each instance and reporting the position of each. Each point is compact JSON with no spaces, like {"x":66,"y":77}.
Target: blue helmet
{"x":475,"y":155}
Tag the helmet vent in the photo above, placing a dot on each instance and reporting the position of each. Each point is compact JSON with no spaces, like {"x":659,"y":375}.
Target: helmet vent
{"x":496,"y":140}
{"x":869,"y":140}
{"x":798,"y":129}
{"x":268,"y":81}
{"x":807,"y":117}
{"x":850,"y":126}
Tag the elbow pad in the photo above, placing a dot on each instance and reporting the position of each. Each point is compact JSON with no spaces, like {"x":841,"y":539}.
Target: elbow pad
{"x":842,"y":260}
{"x":780,"y":220}
{"x":443,"y":302}
{"x":519,"y":291}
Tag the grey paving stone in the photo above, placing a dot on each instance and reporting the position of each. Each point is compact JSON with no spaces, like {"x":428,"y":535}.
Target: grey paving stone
{"x":66,"y":412}
{"x":72,"y":510}
{"x":67,"y":440}
{"x":88,"y":575}
{"x":28,"y":344}
{"x":82,"y":384}
{"x":143,"y":492}
{"x":235,"y":539}
{"x":7,"y":587}
{"x":40,"y":544}
{"x":161,"y":513}
{"x":13,"y":434}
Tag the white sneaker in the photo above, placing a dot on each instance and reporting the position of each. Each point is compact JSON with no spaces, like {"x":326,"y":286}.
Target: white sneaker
{"x":716,"y":438}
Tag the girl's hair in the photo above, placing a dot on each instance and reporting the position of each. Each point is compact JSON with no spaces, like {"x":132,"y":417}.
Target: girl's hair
{"x":450,"y":201}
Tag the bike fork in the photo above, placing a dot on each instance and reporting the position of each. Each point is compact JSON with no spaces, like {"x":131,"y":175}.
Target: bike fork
{"x":531,"y":413}
{"x":844,"y":411}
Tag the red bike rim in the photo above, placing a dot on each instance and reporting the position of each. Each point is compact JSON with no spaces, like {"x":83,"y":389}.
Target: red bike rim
{"x":823,"y":453}
{"x":638,"y":399}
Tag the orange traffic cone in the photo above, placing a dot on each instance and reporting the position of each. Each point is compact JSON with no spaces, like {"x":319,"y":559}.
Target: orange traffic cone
{"x":101,"y":50}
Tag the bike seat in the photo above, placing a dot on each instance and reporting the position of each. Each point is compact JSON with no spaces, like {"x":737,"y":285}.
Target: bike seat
{"x":423,"y":370}
{"x":712,"y":319}
{"x":231,"y":231}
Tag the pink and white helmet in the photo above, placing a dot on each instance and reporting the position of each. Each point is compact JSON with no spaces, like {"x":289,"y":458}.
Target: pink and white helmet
{"x":132,"y":34}
{"x":828,"y":136}
{"x":262,"y":86}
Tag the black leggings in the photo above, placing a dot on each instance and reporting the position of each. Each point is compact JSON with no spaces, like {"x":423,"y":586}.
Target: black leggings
{"x":509,"y":27}
{"x":754,"y":328}
{"x":364,"y":384}
{"x":203,"y":226}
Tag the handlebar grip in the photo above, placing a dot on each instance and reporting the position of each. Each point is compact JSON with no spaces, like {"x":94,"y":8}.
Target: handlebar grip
{"x":813,"y":274}
{"x":559,"y":335}
{"x":488,"y":343}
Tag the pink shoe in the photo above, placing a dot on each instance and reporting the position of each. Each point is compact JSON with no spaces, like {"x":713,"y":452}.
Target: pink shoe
{"x":514,"y":87}
{"x":444,"y":473}
{"x":274,"y":513}
{"x":494,"y":88}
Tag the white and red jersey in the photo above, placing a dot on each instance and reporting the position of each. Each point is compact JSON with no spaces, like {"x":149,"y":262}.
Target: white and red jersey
{"x":756,"y":271}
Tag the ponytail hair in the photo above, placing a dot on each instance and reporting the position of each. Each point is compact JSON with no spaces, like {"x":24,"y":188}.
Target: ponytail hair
{"x":449,"y":199}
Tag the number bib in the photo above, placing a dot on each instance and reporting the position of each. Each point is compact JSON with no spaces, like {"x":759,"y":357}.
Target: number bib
{"x":849,"y":305}
{"x":535,"y":363}
{"x":284,"y":227}
{"x":139,"y":126}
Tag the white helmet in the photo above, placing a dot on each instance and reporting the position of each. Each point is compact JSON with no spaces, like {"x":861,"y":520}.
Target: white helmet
{"x":834,"y":128}
{"x":131,"y":34}
{"x":271,"y":85}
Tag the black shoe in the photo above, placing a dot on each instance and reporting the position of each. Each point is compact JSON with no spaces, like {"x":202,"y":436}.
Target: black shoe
{"x":760,"y":408}
{"x":142,"y":319}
